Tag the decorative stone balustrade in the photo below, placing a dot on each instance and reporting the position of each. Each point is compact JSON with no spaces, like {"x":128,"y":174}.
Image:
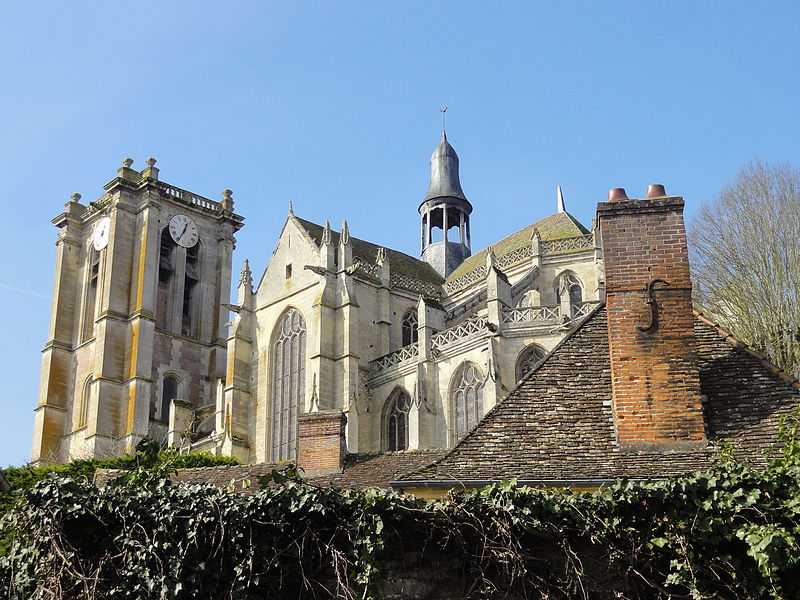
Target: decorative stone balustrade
{"x":459,"y":283}
{"x":518,"y":255}
{"x":426,"y":288}
{"x":395,"y":358}
{"x":582,"y":309}
{"x":368,"y":268}
{"x":545,"y":314}
{"x":514,"y":257}
{"x":190,"y":198}
{"x":572,"y":244}
{"x":472,"y":327}
{"x":531,"y":314}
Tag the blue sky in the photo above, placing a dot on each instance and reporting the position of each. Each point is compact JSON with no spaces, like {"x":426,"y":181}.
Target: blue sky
{"x":334,"y":106}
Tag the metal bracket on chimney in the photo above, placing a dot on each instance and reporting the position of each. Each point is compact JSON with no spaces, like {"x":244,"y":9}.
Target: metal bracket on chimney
{"x":651,"y":306}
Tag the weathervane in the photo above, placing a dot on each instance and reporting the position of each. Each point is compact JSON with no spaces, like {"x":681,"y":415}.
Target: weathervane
{"x":443,"y":110}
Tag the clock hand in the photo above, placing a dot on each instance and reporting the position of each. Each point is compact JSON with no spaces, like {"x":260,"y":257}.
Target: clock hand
{"x":185,"y":227}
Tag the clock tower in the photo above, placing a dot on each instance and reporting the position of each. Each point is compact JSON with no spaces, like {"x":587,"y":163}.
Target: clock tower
{"x":139,"y":313}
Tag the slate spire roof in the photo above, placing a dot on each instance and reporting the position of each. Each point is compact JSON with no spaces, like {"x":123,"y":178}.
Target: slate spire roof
{"x":445,"y":182}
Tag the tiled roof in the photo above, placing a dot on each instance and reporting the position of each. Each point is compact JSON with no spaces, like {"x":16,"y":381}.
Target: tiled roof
{"x":377,"y":470}
{"x":554,"y":227}
{"x":399,"y":262}
{"x":558,"y":424}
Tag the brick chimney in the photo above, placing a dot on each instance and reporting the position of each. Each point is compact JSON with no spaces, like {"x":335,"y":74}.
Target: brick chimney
{"x":321,"y":447}
{"x":654,"y":370}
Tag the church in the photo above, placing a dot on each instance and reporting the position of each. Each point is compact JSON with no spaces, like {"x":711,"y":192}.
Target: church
{"x":562,"y":356}
{"x":412,"y":350}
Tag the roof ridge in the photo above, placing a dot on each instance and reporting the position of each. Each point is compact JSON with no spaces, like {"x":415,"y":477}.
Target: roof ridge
{"x":580,"y":225}
{"x":357,"y":239}
{"x":740,"y":345}
{"x":581,"y":324}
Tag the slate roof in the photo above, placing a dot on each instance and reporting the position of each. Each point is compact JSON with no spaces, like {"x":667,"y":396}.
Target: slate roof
{"x":555,"y":227}
{"x":399,"y":262}
{"x":558,"y":424}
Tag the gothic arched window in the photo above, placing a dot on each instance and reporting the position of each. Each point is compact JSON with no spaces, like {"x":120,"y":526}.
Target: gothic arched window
{"x":529,"y":359}
{"x":524,"y":301}
{"x":169,"y":392}
{"x":410,"y":328}
{"x":569,"y":288}
{"x":396,"y":419}
{"x":288,"y":383}
{"x":467,"y":398}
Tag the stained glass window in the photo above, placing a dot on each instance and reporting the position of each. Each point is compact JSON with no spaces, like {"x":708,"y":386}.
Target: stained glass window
{"x":398,"y":406}
{"x":529,"y":360}
{"x":288,"y":384}
{"x":467,"y":397}
{"x":410,"y":328}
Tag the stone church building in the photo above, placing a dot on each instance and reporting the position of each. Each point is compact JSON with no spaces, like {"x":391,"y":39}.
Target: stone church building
{"x":412,"y":351}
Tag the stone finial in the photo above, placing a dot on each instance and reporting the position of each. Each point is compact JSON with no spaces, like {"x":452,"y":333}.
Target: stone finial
{"x":247,"y":275}
{"x":150,"y":171}
{"x":381,"y":256}
{"x":617,"y":194}
{"x":656,"y":190}
{"x":76,"y":197}
{"x":560,"y":199}
{"x":536,"y":241}
{"x":326,"y":233}
{"x":127,"y":163}
{"x":227,"y":200}
{"x":344,"y":237}
{"x":291,"y":209}
{"x":490,"y":258}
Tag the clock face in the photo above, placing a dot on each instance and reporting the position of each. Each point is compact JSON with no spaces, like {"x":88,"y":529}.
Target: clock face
{"x":183,"y":230}
{"x":100,"y":234}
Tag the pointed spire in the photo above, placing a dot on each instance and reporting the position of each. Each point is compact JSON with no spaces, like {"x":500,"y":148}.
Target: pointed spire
{"x":326,"y":233}
{"x":344,"y":237}
{"x":445,"y":181}
{"x":247,"y":275}
{"x":560,"y":199}
{"x":291,"y":209}
{"x":381,"y":256}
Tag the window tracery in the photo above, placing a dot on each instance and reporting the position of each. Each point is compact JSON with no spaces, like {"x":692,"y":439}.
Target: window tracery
{"x":410,"y":328}
{"x":467,"y":398}
{"x":396,"y":420}
{"x":288,"y":383}
{"x":569,"y":289}
{"x":528,"y":360}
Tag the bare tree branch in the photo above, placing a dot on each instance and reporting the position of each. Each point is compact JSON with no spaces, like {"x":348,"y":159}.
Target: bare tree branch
{"x":745,"y":246}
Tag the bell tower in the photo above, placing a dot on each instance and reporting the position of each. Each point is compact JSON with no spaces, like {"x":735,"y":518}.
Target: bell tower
{"x":444,"y":208}
{"x":139,"y":315}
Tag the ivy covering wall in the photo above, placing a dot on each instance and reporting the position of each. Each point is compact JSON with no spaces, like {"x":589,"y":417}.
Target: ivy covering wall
{"x":730,"y":532}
